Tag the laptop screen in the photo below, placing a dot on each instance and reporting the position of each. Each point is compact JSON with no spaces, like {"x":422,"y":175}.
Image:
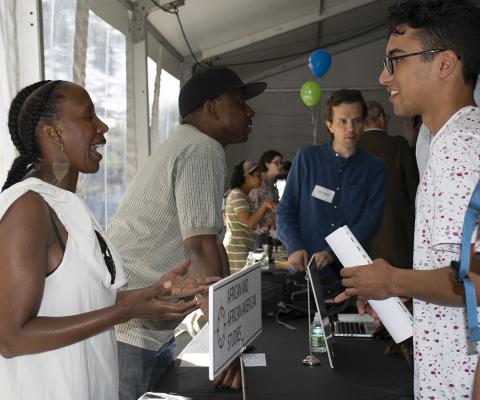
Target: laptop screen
{"x":316,"y":288}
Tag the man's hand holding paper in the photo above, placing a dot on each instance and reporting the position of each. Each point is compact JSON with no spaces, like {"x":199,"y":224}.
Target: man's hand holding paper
{"x":371,"y":281}
{"x":374,"y":282}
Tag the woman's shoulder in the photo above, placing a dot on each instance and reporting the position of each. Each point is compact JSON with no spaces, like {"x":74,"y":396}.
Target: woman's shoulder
{"x":25,"y":219}
{"x":28,"y":205}
{"x":30,"y":192}
{"x":235,"y":193}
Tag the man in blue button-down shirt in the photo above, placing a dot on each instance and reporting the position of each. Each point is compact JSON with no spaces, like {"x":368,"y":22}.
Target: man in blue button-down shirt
{"x":331,"y":185}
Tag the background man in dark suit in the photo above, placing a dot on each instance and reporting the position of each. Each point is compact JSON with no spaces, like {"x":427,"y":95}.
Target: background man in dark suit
{"x":394,"y":239}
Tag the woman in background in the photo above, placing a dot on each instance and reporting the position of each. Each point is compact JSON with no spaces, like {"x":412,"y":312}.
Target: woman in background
{"x":270,"y":166}
{"x":241,"y":217}
{"x":60,"y":275}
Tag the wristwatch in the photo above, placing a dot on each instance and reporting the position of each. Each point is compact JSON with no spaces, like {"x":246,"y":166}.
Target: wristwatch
{"x":455,"y":265}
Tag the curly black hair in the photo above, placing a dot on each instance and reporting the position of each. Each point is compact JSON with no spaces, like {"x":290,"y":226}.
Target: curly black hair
{"x":442,"y":24}
{"x":32,"y":105}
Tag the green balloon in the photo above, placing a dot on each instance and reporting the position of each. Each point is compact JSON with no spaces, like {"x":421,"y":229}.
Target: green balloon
{"x":310,"y":93}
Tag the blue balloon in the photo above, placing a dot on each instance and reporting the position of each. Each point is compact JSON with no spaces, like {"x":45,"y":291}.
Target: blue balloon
{"x":319,"y":62}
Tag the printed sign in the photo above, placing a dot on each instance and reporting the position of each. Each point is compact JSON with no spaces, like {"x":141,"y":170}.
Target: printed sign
{"x":235,"y":316}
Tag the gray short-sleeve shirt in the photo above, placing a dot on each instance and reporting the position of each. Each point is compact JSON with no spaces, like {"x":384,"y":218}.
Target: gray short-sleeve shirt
{"x":175,"y":195}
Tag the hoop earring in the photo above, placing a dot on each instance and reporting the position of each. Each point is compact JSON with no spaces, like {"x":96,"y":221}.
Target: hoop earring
{"x":61,"y":165}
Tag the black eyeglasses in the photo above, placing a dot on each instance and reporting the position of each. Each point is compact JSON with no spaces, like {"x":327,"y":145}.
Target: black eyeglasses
{"x":107,"y":256}
{"x":389,"y":60}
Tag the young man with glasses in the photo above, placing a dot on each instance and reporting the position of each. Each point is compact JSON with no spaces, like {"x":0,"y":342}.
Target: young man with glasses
{"x":431,"y":67}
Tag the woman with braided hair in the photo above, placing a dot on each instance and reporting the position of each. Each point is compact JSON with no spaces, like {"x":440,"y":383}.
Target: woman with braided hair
{"x":58,"y":291}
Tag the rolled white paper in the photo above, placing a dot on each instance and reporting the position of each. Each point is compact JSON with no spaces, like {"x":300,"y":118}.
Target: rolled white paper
{"x":392,"y":312}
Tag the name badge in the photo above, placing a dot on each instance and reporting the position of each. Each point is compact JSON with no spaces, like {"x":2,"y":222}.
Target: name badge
{"x":322,"y":193}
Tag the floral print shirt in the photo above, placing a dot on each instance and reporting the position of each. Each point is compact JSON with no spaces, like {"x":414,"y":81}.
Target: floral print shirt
{"x":444,"y":361}
{"x":266,"y":192}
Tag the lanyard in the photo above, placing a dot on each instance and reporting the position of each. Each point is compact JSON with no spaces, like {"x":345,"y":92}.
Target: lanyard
{"x":471,"y":216}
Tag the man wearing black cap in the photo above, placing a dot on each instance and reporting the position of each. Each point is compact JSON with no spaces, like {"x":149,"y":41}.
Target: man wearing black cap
{"x":172,"y":211}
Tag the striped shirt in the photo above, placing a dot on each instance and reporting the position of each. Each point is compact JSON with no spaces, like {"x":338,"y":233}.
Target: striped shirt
{"x":176,"y":194}
{"x":240,"y":238}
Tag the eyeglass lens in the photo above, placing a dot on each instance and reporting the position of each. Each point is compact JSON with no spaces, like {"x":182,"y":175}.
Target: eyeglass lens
{"x":388,"y":64}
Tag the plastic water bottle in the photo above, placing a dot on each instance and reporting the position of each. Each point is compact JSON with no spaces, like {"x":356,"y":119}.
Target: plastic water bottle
{"x":316,"y":336}
{"x":257,"y":256}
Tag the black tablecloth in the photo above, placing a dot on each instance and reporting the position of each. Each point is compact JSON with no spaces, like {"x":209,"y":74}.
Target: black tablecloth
{"x":362,"y":371}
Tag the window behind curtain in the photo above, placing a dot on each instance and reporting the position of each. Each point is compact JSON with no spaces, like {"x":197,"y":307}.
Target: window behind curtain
{"x":165,"y":116}
{"x":106,"y":83}
{"x":58,"y":37}
{"x":169,"y":114}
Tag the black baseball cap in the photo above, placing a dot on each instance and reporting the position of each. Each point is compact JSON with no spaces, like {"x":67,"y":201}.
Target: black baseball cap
{"x":210,"y":83}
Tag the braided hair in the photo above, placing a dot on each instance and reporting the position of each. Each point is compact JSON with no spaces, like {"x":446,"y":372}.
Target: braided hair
{"x":33,"y":104}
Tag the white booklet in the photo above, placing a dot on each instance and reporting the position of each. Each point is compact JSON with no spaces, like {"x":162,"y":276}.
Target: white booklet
{"x":396,"y":318}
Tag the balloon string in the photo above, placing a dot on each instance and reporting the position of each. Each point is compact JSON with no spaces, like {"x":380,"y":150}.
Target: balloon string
{"x":314,"y":123}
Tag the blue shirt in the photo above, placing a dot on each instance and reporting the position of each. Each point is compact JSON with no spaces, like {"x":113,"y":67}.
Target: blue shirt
{"x":303,"y":221}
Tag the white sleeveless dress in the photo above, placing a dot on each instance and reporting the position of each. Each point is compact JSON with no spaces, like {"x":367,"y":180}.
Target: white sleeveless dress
{"x":81,"y":283}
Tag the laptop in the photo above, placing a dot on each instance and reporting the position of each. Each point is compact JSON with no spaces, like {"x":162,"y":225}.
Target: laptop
{"x":354,"y":325}
{"x":348,"y":325}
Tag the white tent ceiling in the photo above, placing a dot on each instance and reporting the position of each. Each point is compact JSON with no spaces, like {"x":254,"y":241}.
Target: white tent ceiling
{"x":254,"y":36}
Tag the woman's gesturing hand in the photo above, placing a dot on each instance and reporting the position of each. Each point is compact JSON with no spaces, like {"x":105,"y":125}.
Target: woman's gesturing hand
{"x":166,"y":298}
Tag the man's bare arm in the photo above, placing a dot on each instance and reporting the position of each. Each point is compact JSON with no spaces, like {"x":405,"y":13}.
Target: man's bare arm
{"x":205,"y":256}
{"x":224,"y":257}
{"x":381,"y":280}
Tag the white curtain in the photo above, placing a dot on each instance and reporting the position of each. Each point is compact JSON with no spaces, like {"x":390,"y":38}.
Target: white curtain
{"x":9,"y":78}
